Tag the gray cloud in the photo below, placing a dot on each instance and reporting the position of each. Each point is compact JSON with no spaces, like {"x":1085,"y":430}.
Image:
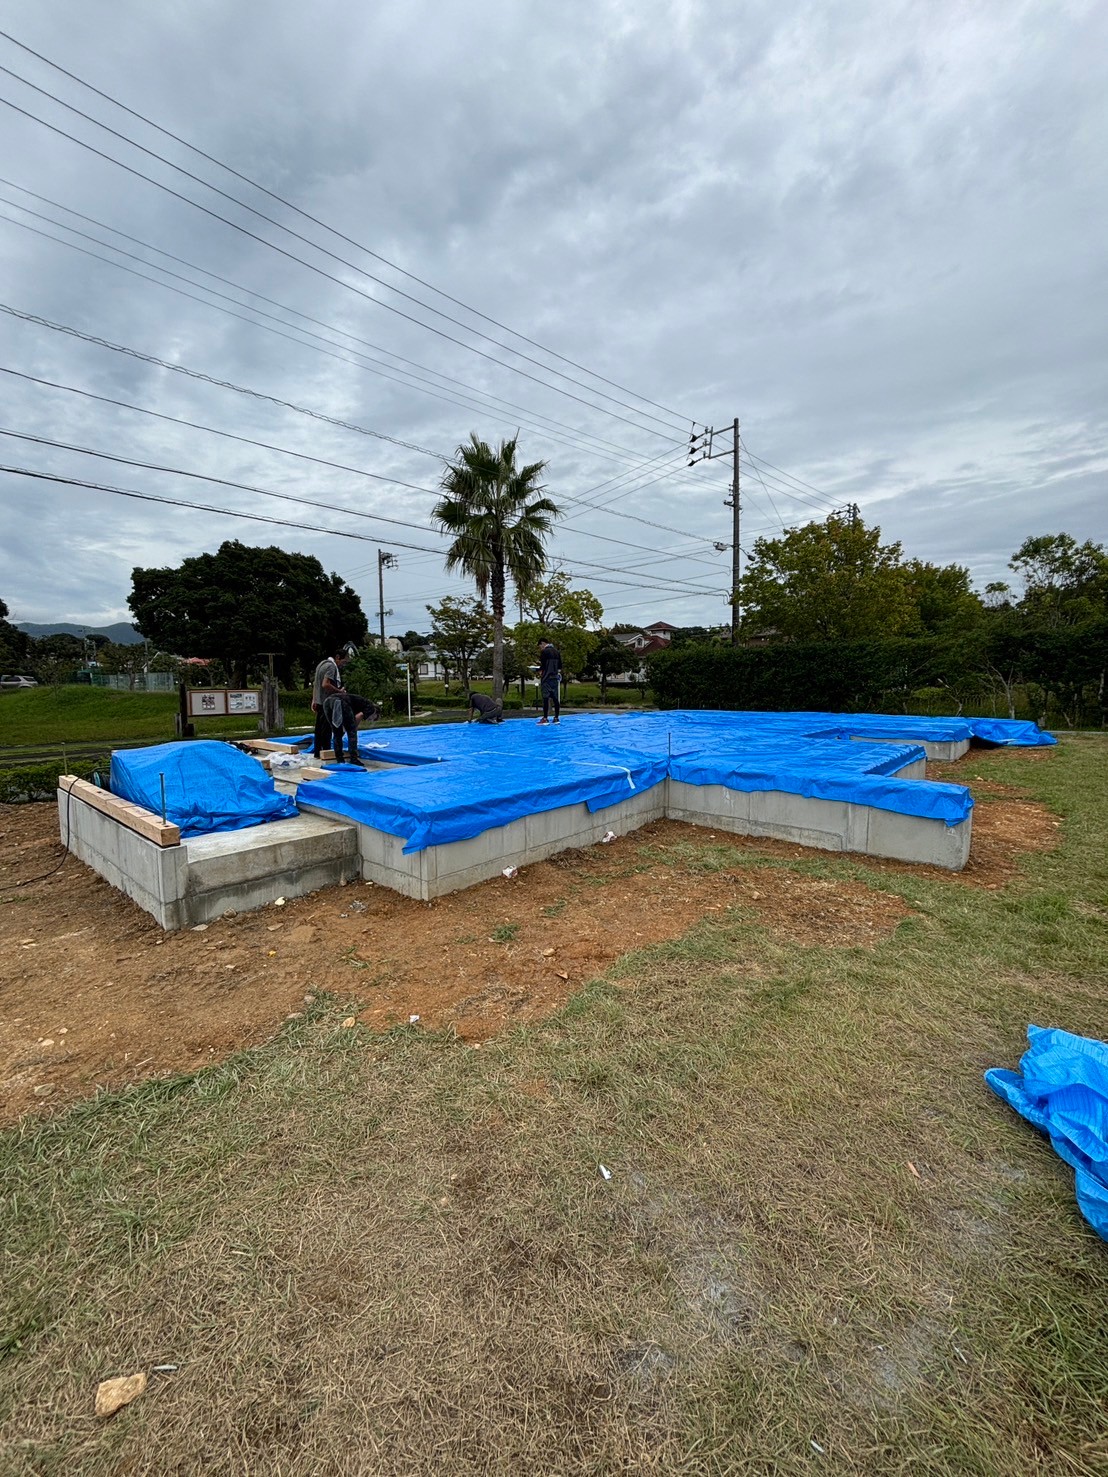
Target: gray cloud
{"x":875,"y":232}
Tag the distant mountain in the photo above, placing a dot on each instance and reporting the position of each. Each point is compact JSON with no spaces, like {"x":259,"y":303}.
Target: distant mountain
{"x":121,"y":633}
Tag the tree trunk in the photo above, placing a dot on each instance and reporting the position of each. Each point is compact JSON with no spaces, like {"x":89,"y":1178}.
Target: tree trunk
{"x":496,"y":589}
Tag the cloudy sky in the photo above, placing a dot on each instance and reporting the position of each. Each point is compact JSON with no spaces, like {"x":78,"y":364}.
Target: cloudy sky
{"x":873,"y":230}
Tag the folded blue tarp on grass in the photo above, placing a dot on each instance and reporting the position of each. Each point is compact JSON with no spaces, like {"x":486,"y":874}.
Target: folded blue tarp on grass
{"x":209,"y":786}
{"x":1064,"y":1092}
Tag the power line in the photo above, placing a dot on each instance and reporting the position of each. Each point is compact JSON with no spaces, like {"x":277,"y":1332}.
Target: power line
{"x":173,"y":502}
{"x":126,"y":461}
{"x":412,"y":380}
{"x":305,"y":215}
{"x":196,"y":374}
{"x":311,"y":266}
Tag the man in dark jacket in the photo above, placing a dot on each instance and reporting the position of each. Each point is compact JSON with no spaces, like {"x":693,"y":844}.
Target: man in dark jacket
{"x":484,"y":709}
{"x":550,"y":679}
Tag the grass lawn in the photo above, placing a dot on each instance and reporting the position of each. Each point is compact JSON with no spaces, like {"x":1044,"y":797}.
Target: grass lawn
{"x":72,"y":714}
{"x":824,"y":1244}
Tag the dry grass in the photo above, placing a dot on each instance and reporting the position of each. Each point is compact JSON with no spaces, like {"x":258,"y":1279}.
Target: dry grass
{"x":397,"y":1254}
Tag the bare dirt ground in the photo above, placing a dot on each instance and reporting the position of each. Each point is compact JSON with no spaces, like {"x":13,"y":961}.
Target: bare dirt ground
{"x":94,"y":994}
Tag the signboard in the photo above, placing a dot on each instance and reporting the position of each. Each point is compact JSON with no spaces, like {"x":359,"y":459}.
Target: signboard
{"x":218,"y":702}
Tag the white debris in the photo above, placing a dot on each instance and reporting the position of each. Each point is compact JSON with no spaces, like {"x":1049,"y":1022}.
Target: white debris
{"x":605,"y":1172}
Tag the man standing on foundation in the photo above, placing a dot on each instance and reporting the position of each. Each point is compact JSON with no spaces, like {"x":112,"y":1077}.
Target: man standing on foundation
{"x":327,"y":683}
{"x":550,"y":679}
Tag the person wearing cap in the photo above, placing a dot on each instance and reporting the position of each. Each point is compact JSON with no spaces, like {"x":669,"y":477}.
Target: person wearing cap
{"x":327,"y":683}
{"x":550,"y":679}
{"x":485,"y":709}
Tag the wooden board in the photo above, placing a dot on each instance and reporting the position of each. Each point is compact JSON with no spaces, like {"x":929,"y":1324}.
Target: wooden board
{"x":134,"y":817}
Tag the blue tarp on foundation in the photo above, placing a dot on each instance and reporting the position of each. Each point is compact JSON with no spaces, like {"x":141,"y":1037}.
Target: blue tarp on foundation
{"x":457,"y":780}
{"x":209,"y":786}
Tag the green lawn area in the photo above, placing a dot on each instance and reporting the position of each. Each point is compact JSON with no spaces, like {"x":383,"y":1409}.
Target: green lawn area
{"x":824,"y":1245}
{"x":73,"y":714}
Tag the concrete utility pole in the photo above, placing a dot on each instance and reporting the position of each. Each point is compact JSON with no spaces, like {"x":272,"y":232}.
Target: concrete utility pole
{"x":384,"y":561}
{"x":702,"y":449}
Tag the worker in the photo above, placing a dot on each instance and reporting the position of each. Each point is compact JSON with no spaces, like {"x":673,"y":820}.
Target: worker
{"x":345,"y":711}
{"x":326,"y":683}
{"x":485,"y":709}
{"x":550,"y":679}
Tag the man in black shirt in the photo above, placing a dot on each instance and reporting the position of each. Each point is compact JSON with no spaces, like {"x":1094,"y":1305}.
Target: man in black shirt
{"x":550,"y":678}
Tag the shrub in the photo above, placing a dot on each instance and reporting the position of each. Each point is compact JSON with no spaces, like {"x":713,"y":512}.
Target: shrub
{"x":20,"y":783}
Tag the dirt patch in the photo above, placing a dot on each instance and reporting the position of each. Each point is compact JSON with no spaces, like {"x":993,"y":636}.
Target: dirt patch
{"x":93,"y":993}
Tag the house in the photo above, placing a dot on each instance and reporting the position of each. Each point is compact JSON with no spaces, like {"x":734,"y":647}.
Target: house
{"x":641,"y":644}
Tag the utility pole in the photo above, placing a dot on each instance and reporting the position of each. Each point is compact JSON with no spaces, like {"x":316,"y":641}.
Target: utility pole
{"x":384,"y":561}
{"x":702,"y":449}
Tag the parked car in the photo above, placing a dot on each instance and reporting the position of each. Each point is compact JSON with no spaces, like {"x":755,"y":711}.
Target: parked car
{"x":9,"y":684}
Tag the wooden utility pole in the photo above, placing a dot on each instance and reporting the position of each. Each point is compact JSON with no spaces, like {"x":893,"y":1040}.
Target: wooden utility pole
{"x":702,"y":449}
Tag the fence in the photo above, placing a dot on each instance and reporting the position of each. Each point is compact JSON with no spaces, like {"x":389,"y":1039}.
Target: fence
{"x":140,"y":682}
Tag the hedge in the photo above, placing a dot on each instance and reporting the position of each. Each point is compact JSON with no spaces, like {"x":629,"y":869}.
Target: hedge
{"x":1060,"y":671}
{"x":21,"y":783}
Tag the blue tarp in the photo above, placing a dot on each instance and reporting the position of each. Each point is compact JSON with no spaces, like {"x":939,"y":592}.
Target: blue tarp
{"x":471,"y":778}
{"x":492,"y":785}
{"x":1064,"y":1092}
{"x":209,"y":786}
{"x":457,"y":780}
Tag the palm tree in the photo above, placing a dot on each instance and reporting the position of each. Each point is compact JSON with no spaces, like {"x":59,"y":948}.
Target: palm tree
{"x":499,"y":518}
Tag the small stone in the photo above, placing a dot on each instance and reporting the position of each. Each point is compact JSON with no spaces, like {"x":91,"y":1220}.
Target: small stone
{"x":546,"y":953}
{"x":351,"y":1020}
{"x":200,"y":928}
{"x":272,"y":927}
{"x":63,"y":1030}
{"x":113,"y":1395}
{"x":309,"y":999}
{"x":44,"y":1089}
{"x":272,"y":953}
{"x":47,"y":1041}
{"x":278,"y":902}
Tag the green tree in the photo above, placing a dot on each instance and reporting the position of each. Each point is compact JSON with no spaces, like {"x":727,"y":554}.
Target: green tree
{"x":1064,"y":582}
{"x":554,"y":604}
{"x":827,"y":581}
{"x":14,"y":644}
{"x":126,"y":661}
{"x":373,"y":673}
{"x":56,"y":659}
{"x":244,"y":601}
{"x":607,"y":657}
{"x":563,"y":616}
{"x":460,"y":628}
{"x":943,"y":597}
{"x":574,"y":644}
{"x":499,"y":520}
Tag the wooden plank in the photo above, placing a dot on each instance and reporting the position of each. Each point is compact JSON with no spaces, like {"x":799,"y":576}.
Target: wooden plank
{"x":267,"y":746}
{"x":134,"y":817}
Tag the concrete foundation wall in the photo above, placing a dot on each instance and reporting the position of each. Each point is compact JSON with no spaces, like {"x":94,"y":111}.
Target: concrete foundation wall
{"x":207,"y":876}
{"x":204,"y":877}
{"x":154,"y":876}
{"x":448,"y":868}
{"x":830,"y":825}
